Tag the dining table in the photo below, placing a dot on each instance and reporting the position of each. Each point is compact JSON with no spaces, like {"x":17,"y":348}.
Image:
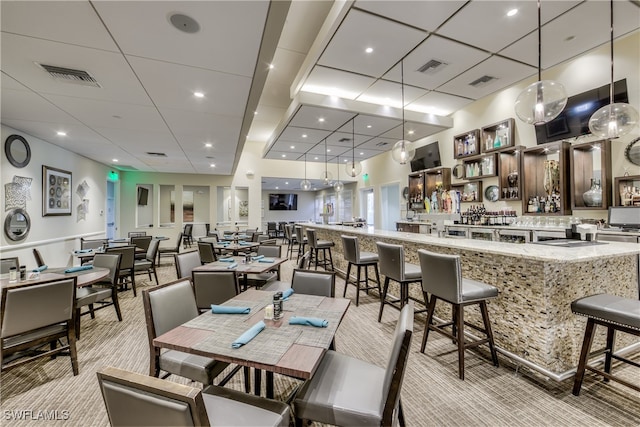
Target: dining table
{"x":84,"y":277}
{"x":280,"y":348}
{"x":256,"y":265}
{"x":236,"y":248}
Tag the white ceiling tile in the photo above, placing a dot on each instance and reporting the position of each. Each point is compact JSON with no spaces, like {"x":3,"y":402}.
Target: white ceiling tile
{"x":388,"y":93}
{"x":378,"y":144}
{"x":298,"y":147}
{"x":438,"y":103}
{"x":427,"y":15}
{"x":27,"y":105}
{"x":286,"y":64}
{"x":328,"y":81}
{"x":320,"y":118}
{"x":370,"y":125}
{"x":139,"y":141}
{"x":276,"y":95}
{"x":301,"y":30}
{"x":344,"y":139}
{"x":203,"y":127}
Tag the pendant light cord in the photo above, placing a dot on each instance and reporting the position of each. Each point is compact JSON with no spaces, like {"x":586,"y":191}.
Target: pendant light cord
{"x":611,"y":88}
{"x":539,"y":44}
{"x":402,"y":86}
{"x":353,"y":142}
{"x":325,"y":158}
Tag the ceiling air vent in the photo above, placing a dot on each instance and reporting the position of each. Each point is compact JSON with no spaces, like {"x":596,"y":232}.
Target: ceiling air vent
{"x":432,"y":66}
{"x":382,"y":144}
{"x":344,"y":140}
{"x":70,"y":75}
{"x":154,"y":154}
{"x":482,"y":81}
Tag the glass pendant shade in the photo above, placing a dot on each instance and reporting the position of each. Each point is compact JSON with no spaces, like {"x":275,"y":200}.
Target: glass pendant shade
{"x":403,"y":151}
{"x":327,"y":178}
{"x":613,"y":120}
{"x":353,"y":168}
{"x":305,"y":185}
{"x":338,"y":186}
{"x":541,"y":102}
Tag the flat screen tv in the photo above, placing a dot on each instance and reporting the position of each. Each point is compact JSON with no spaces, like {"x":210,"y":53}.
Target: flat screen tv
{"x":624,"y":216}
{"x":574,"y":119}
{"x":283,"y":202}
{"x":143,"y":196}
{"x":427,"y":157}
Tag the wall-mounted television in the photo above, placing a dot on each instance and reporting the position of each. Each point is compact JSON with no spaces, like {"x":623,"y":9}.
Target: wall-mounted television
{"x":143,"y":196}
{"x":427,"y":157}
{"x":283,"y":202}
{"x":574,"y":119}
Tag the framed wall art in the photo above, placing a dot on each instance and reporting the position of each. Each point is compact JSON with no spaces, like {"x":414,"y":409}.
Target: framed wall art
{"x":56,"y":191}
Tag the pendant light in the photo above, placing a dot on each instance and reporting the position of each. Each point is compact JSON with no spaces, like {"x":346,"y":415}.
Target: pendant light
{"x":617,"y":118}
{"x":338,"y":185}
{"x":403,"y":151}
{"x":326,"y":175}
{"x":353,"y":168}
{"x":542,"y":101}
{"x":305,"y":184}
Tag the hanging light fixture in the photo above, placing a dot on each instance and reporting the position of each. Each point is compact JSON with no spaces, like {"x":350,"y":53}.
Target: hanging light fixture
{"x":403,"y":151}
{"x":326,"y":175}
{"x":543,"y":100}
{"x":617,"y":118}
{"x":338,"y":185}
{"x":353,"y":168}
{"x":305,"y":184}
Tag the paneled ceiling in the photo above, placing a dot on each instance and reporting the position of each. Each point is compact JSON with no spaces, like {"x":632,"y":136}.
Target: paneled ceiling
{"x":148,"y":71}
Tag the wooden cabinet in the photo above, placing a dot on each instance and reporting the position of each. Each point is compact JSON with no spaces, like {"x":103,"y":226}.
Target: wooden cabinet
{"x":466,"y":144}
{"x":416,"y":191}
{"x":545,"y":179}
{"x":510,"y":173}
{"x":478,"y":167}
{"x":436,"y":179}
{"x":590,"y":177}
{"x":626,"y":191}
{"x":469,"y":191}
{"x":498,"y":135}
{"x":407,"y":228}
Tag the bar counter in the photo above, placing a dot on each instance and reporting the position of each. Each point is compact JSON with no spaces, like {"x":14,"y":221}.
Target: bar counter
{"x":531,"y":318}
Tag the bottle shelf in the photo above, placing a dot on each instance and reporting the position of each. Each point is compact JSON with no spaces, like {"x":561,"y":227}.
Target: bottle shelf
{"x":590,"y":176}
{"x":546,"y":179}
{"x":479,"y":167}
{"x":626,"y":191}
{"x":498,"y":135}
{"x":466,"y":144}
{"x":470,"y":192}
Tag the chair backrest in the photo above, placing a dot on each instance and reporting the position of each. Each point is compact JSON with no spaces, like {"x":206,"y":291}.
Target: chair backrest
{"x":207,"y":253}
{"x":168,"y":306}
{"x":133,"y":399}
{"x":303,"y":262}
{"x":38,"y":257}
{"x":288,"y":233}
{"x":350,"y":248}
{"x":136,"y":233}
{"x":391,"y":260}
{"x":188,"y":229}
{"x":314,"y":282}
{"x":270,"y":250}
{"x":265,"y":237}
{"x":128,"y":256}
{"x":396,"y":365}
{"x":31,"y":306}
{"x":271,"y":226}
{"x":152,"y":250}
{"x":214,"y":287}
{"x":178,"y":242}
{"x":311,"y":238}
{"x":441,"y":275}
{"x":7,"y":263}
{"x":110,"y":261}
{"x":185,"y":262}
{"x":141,"y":242}
{"x":207,"y":228}
{"x":298,"y":232}
{"x":92,"y":243}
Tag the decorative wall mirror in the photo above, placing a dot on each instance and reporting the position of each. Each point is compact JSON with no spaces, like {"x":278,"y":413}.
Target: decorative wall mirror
{"x":458,"y":171}
{"x":17,"y":224}
{"x":17,"y":150}
{"x":632,"y":152}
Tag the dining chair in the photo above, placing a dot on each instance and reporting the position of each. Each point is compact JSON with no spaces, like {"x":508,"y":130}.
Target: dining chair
{"x":136,"y":234}
{"x":100,"y":292}
{"x":187,"y":235}
{"x":278,"y":285}
{"x":132,"y":399}
{"x":7,"y":263}
{"x":290,"y":239}
{"x":36,"y":315}
{"x":207,"y":252}
{"x":316,"y":246}
{"x":361,"y":260}
{"x":91,"y":244}
{"x":170,"y":250}
{"x":167,"y":307}
{"x":142,"y":244}
{"x":38,"y":257}
{"x":261,"y":279}
{"x":347,"y":391}
{"x":214,"y":287}
{"x":263,"y":238}
{"x":185,"y":262}
{"x":314,"y":282}
{"x":126,"y":273}
{"x":148,"y":264}
{"x":272,"y":229}
{"x":301,"y":240}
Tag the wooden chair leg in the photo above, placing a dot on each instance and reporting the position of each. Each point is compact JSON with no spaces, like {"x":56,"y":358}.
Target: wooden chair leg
{"x":375,"y":268}
{"x":383,"y":297}
{"x":611,"y":336}
{"x":331,"y":260}
{"x":133,"y":283}
{"x":77,"y":324}
{"x":71,"y":337}
{"x":489,"y":332}
{"x":428,"y":323}
{"x":460,"y":320}
{"x":116,"y":303}
{"x":346,"y":280}
{"x":400,"y":414}
{"x":358,"y":268}
{"x":584,"y":355}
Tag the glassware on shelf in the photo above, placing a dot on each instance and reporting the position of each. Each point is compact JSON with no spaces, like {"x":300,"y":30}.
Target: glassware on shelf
{"x":593,"y":196}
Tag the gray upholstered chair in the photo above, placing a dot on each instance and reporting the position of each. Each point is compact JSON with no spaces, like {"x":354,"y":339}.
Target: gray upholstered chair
{"x":166,"y":307}
{"x":207,"y":252}
{"x":101,"y":292}
{"x":187,"y":235}
{"x":7,"y":263}
{"x":278,"y":285}
{"x":170,"y":250}
{"x":312,"y":282}
{"x":350,"y":392}
{"x":148,"y":264}
{"x":259,"y":280}
{"x":142,"y":244}
{"x":301,"y":240}
{"x":136,"y":234}
{"x":272,"y":229}
{"x":91,"y":244}
{"x":185,"y":263}
{"x":360,"y":259}
{"x":35,"y":315}
{"x":127,"y":265}
{"x":394,"y":267}
{"x":214,"y":287}
{"x":442,"y":280}
{"x":38,"y":257}
{"x":316,"y":246}
{"x":268,"y":242}
{"x":132,"y":399}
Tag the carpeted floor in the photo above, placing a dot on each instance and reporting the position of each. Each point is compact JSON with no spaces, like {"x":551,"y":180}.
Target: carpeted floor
{"x":432,"y":394}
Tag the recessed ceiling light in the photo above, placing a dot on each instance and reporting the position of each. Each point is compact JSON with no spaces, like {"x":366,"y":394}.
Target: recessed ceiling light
{"x":255,"y":113}
{"x":208,"y":145}
{"x":304,"y":135}
{"x":198,"y":94}
{"x":277,"y":188}
{"x":286,"y":183}
{"x":361,"y":153}
{"x":293,"y":147}
{"x":368,"y":126}
{"x":410,"y":132}
{"x":328,"y":150}
{"x":271,"y":66}
{"x":369,"y":50}
{"x":512,"y":12}
{"x":61,"y":133}
{"x":315,"y":158}
{"x":114,"y":160}
{"x":345,"y":160}
{"x":321,"y":119}
{"x":213,"y":165}
{"x":284,"y":155}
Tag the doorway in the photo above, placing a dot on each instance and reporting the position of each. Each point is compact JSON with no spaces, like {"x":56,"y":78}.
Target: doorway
{"x":367,"y":207}
{"x":111,"y":210}
{"x":390,"y":201}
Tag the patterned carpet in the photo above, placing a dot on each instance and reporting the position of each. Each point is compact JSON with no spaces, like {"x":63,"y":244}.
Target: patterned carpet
{"x":432,"y":394}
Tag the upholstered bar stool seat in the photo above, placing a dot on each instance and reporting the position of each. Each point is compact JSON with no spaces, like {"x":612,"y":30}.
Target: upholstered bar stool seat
{"x":361,"y":259}
{"x":320,"y":245}
{"x":616,"y":314}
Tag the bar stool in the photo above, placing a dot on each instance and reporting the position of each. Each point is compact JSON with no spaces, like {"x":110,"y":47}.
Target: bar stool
{"x":616,"y":314}
{"x":361,"y":260}
{"x":442,"y":278}
{"x":300,"y":240}
{"x":393,"y":267}
{"x":320,"y":245}
{"x":291,"y":240}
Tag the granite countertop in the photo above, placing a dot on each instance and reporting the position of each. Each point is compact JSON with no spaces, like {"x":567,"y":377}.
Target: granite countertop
{"x":527,"y":250}
{"x":406,"y":221}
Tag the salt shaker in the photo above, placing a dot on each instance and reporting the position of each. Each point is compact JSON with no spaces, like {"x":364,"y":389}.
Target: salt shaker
{"x":277,"y":306}
{"x":13,"y":274}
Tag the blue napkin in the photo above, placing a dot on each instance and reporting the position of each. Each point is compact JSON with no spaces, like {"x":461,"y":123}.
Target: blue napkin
{"x":226,"y":259}
{"x":227,"y":309}
{"x":248,"y":335}
{"x":265,"y":260}
{"x":83,"y":251}
{"x":287,"y":293}
{"x":231,"y":266}
{"x":255,"y":258}
{"x":244,"y":243}
{"x":308,"y":321}
{"x":78,"y":268}
{"x":41,"y":268}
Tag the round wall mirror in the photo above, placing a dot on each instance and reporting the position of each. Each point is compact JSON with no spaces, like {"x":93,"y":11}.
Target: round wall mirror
{"x":458,"y":171}
{"x":632,"y":152}
{"x":17,"y":150}
{"x":17,"y":224}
